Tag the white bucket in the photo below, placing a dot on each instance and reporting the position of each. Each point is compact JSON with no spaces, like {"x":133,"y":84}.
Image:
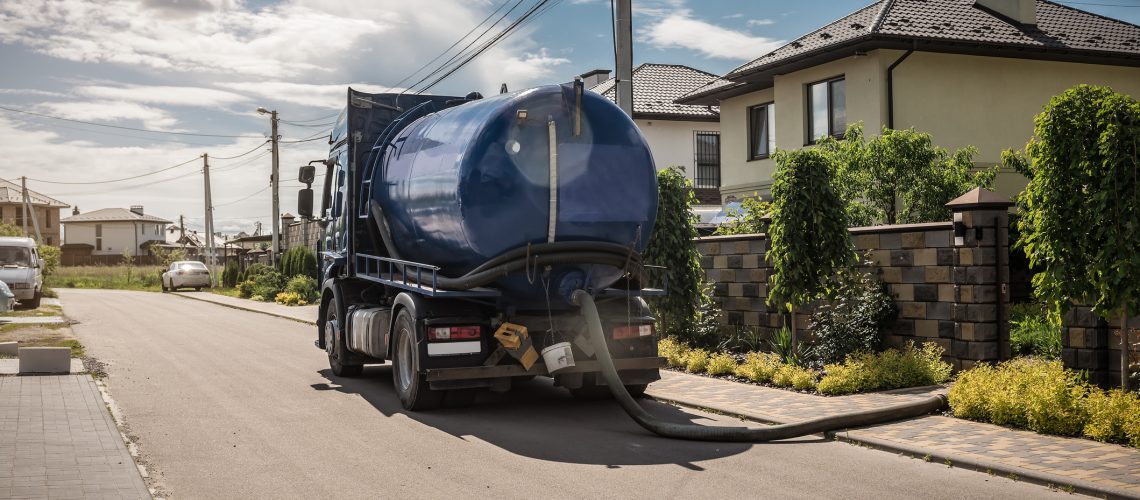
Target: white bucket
{"x":558,"y":356}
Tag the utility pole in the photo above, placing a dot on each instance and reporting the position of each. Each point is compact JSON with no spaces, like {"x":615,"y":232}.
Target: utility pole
{"x":27,"y":207}
{"x":623,"y":52}
{"x":209,"y":216}
{"x":182,"y":230}
{"x":275,"y":181}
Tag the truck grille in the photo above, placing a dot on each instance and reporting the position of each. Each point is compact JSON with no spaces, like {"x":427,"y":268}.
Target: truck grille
{"x":19,"y":286}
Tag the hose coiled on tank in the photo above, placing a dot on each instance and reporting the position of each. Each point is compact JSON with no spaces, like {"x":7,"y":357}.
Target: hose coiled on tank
{"x":738,"y":434}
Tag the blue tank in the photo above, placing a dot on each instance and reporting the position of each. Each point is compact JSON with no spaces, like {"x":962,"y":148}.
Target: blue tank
{"x":465,"y":184}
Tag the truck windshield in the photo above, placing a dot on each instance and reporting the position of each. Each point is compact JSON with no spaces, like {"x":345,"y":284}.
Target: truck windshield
{"x":15,"y":257}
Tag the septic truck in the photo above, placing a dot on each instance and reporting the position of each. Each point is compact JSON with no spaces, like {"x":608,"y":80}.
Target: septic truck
{"x":456,"y":231}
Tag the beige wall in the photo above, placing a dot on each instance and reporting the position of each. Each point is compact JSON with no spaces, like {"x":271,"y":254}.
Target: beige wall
{"x":672,"y":142}
{"x":990,"y":102}
{"x":117,"y":236}
{"x":47,"y":217}
{"x":961,"y":100}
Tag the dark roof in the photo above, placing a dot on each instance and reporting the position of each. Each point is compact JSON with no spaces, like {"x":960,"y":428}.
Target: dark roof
{"x":979,"y":198}
{"x":956,"y":26}
{"x":656,"y":86}
{"x":113,"y":215}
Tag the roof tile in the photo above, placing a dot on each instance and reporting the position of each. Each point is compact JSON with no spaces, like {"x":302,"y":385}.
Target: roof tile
{"x":656,"y":86}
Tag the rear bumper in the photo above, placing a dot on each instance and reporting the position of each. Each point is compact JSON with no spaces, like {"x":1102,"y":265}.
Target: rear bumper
{"x":539,"y":368}
{"x":190,"y":281}
{"x":23,"y":294}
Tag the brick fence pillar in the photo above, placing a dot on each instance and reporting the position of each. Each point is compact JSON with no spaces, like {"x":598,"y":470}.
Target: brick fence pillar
{"x":980,"y":275}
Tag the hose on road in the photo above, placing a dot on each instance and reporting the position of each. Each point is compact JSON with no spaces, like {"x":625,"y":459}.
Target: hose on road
{"x":695,"y":432}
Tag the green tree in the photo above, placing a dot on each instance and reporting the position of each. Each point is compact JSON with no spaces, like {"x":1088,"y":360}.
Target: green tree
{"x":7,"y":229}
{"x":50,"y":255}
{"x":1081,"y":209}
{"x":900,"y":176}
{"x":749,"y":219}
{"x":809,"y":239}
{"x":671,"y":245}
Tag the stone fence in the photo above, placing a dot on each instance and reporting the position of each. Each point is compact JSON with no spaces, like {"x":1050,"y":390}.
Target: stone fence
{"x":1091,"y":344}
{"x":950,"y":288}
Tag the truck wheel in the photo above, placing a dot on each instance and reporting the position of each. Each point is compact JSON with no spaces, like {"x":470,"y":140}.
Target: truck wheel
{"x":413,"y":390}
{"x":335,"y":346}
{"x":35,"y":302}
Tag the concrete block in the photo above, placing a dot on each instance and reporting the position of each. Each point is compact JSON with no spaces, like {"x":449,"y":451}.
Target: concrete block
{"x":9,"y":348}
{"x":1076,"y":337}
{"x":937,"y":239}
{"x":720,"y":262}
{"x":945,"y":256}
{"x":914,"y":275}
{"x":946,"y":293}
{"x":981,"y":313}
{"x":913,"y":310}
{"x":739,"y":247}
{"x":903,"y":292}
{"x":983,"y":351}
{"x":946,"y":331}
{"x":926,"y":328}
{"x":735,"y":289}
{"x":939,"y":310}
{"x":913,"y":240}
{"x":45,"y":360}
{"x":720,"y":289}
{"x":903,"y":327}
{"x":708,"y":248}
{"x":867,"y":241}
{"x":965,"y":256}
{"x":751,"y":289}
{"x":902,"y":258}
{"x":926,"y":257}
{"x":891,"y":274}
{"x":925,"y":293}
{"x":938,"y":274}
{"x":751,"y":261}
{"x":890,"y":241}
{"x":758,"y":246}
{"x":735,"y":261}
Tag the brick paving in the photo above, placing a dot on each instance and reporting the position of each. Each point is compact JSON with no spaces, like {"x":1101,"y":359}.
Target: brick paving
{"x":1091,"y":467}
{"x":57,"y":440}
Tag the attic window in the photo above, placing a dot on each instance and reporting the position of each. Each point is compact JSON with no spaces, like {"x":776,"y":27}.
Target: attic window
{"x":857,"y":26}
{"x":797,"y":44}
{"x":825,"y":36}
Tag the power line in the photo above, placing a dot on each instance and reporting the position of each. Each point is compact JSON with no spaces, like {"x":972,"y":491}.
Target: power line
{"x":449,"y":61}
{"x":242,"y":163}
{"x":464,"y":37}
{"x":315,"y":125}
{"x":255,"y":148}
{"x":120,"y":127}
{"x":251,"y":195}
{"x":326,"y":117}
{"x":135,"y":186}
{"x":322,"y":136}
{"x":491,"y":43}
{"x":118,"y":180}
{"x":108,"y":133}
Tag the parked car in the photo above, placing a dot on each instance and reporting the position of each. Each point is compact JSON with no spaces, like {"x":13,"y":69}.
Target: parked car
{"x":22,"y":270}
{"x":7,"y":298}
{"x":186,"y":274}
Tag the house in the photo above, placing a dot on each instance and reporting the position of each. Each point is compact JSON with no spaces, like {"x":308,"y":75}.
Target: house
{"x":969,"y":72}
{"x":678,"y":134}
{"x":45,"y":208}
{"x":105,"y":235}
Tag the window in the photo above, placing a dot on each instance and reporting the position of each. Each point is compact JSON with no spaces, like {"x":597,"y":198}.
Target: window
{"x":826,"y":109}
{"x":98,"y":236}
{"x":761,"y":131}
{"x":706,"y":156}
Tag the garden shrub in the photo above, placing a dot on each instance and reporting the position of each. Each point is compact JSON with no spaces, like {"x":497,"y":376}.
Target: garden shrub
{"x":1113,"y":416}
{"x":290,"y":299}
{"x":266,"y":285}
{"x":721,"y":363}
{"x":1034,"y":330}
{"x":789,"y":352}
{"x":255,"y":270}
{"x":854,"y":318}
{"x":230,"y":275}
{"x":299,"y":261}
{"x":890,"y":369}
{"x":1037,"y":394}
{"x":304,"y":286}
{"x":671,"y":245}
{"x":697,"y":360}
{"x":245,"y":289}
{"x":759,"y":367}
{"x":799,"y":378}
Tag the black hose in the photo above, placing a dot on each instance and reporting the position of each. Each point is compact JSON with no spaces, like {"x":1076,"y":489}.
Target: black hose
{"x":737,"y":434}
{"x":492,"y":274}
{"x":558,"y":247}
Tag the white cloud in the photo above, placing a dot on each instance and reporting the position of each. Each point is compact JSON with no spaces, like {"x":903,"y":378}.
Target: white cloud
{"x":111,"y":111}
{"x":761,"y":22}
{"x":680,"y":30}
{"x":152,"y":94}
{"x":35,"y":92}
{"x":529,"y":67}
{"x":331,"y":96}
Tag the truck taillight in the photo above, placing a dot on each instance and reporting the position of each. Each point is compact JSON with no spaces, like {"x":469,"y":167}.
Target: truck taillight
{"x":453,"y":333}
{"x":632,"y":331}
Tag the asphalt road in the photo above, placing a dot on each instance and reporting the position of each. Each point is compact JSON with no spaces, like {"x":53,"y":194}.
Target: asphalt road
{"x":232,"y":404}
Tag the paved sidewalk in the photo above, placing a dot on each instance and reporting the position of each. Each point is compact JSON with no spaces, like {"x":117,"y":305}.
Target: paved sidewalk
{"x":32,"y":320}
{"x":304,"y":314}
{"x":57,"y":440}
{"x":1100,"y":469}
{"x":11,"y":366}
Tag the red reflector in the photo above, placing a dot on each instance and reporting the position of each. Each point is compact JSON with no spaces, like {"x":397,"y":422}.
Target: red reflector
{"x":453,"y":333}
{"x":633,"y":331}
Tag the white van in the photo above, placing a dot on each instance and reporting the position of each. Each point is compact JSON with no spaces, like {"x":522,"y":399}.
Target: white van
{"x":22,"y":270}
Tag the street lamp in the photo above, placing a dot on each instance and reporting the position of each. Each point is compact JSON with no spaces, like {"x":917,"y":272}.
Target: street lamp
{"x":273,"y":180}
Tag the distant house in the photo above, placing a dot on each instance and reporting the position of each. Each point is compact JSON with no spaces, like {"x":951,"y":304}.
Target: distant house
{"x":678,"y":134}
{"x":970,"y":72}
{"x":110,"y":232}
{"x":46,"y":211}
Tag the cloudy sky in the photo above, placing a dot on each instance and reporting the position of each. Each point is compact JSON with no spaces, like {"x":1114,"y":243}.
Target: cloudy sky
{"x":200,"y":68}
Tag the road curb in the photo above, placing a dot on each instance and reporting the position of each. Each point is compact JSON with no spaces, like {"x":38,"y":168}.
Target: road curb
{"x":955,"y":460}
{"x":240,"y":308}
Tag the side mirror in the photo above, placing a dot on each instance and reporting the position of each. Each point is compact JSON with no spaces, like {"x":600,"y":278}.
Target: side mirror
{"x":305,"y":203}
{"x":307,"y":174}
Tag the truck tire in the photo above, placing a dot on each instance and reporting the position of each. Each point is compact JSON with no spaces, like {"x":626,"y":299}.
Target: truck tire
{"x":335,"y":346}
{"x":411,"y":387}
{"x":35,"y":302}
